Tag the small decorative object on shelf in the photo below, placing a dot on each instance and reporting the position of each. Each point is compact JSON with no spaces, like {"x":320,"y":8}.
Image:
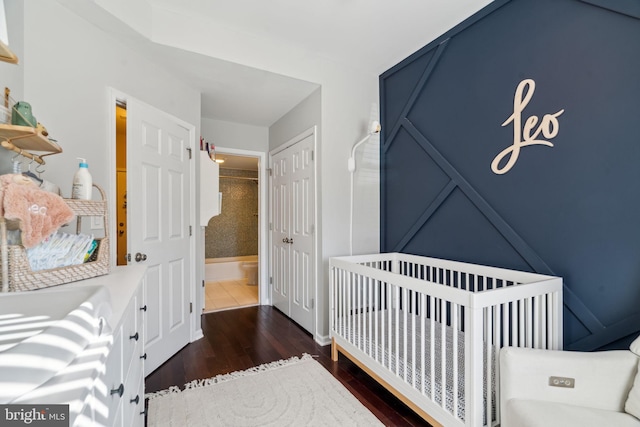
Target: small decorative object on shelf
{"x":22,"y":115}
{"x":25,"y":140}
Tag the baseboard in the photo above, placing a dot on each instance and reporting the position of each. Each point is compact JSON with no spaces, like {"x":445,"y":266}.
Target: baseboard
{"x":197,"y":335}
{"x":322,"y":339}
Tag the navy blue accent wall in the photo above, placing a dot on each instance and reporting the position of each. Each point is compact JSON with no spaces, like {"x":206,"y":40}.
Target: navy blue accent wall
{"x":571,"y":209}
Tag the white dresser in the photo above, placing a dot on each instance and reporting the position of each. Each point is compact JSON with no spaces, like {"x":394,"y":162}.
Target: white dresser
{"x":121,"y":386}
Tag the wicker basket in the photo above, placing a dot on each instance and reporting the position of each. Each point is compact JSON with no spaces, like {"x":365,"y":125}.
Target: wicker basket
{"x":22,"y":278}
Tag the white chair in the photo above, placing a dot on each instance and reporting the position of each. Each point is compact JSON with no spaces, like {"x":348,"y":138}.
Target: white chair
{"x":549,"y":388}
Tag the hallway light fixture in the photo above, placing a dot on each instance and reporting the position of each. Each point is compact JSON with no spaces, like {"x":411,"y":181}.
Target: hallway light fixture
{"x":374,"y":129}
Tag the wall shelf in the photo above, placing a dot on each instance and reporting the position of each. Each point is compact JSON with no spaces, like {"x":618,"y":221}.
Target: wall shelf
{"x":24,"y":139}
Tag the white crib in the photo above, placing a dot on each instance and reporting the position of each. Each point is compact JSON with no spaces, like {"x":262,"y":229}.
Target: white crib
{"x":430,"y":330}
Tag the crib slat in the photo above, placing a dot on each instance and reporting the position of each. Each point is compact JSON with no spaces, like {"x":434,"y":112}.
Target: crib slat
{"x":397,"y":322}
{"x":527,"y":316}
{"x":521,"y":320}
{"x":370,"y":314}
{"x":413,"y":339}
{"x":488,"y":343}
{"x":359,"y":308}
{"x":389,"y":328}
{"x":454,"y":330}
{"x":423,"y":356}
{"x":339,"y":301}
{"x":443,"y":354}
{"x":432,"y":350}
{"x":498,"y":345}
{"x":405,"y":299}
{"x":351,"y":313}
{"x":384,"y":310}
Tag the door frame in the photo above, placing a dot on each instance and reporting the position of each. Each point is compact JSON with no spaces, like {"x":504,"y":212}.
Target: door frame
{"x":312,"y":131}
{"x":264,"y":295}
{"x":115,"y":95}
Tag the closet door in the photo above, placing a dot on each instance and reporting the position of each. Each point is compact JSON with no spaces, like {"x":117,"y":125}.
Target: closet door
{"x":302,"y":294}
{"x":293,"y":229}
{"x":280,"y":247}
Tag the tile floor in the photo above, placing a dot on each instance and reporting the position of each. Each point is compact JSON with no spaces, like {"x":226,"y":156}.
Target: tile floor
{"x":227,"y":294}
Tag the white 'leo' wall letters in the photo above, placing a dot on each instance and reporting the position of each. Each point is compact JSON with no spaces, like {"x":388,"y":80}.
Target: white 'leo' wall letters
{"x":526,"y":134}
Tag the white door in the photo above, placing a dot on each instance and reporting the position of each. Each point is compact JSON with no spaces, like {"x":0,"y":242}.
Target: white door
{"x":293,"y":207}
{"x":158,"y":201}
{"x":280,"y":247}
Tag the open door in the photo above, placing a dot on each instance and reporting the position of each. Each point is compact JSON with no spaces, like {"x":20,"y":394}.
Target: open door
{"x":159,"y":234}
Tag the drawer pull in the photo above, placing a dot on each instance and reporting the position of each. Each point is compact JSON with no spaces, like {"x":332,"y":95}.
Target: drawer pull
{"x":134,"y":337}
{"x":144,"y":307}
{"x":144,"y":356}
{"x":136,"y":400}
{"x":119,"y":391}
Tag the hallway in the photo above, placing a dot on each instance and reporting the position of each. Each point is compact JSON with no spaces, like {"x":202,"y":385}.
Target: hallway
{"x":225,"y":294}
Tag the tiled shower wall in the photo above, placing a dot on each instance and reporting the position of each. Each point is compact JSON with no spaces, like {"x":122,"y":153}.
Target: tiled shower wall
{"x":235,"y":231}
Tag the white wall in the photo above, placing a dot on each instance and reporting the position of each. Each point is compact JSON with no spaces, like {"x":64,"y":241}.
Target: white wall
{"x":303,"y":116}
{"x":235,"y":135}
{"x":69,"y":64}
{"x":11,"y":74}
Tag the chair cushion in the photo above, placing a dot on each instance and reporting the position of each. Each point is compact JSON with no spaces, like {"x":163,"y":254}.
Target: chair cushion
{"x":535,"y":413}
{"x":635,"y":346}
{"x":632,"y":405}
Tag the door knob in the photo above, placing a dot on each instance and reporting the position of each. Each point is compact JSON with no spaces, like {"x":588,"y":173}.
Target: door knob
{"x":141,"y":257}
{"x":285,"y":240}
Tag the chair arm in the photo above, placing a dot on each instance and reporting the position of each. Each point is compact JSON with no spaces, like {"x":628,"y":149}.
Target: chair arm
{"x":602,"y":379}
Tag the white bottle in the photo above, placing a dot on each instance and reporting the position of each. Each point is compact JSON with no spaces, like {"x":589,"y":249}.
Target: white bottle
{"x":82,"y":182}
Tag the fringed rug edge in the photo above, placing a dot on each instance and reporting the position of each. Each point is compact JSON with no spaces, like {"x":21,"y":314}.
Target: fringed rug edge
{"x":230,"y":376}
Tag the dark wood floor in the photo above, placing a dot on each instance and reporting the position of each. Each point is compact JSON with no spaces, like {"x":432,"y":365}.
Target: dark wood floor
{"x":240,"y":339}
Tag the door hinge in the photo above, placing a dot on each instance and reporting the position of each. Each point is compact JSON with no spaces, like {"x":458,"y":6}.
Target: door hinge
{"x":270,"y":171}
{"x":190,"y":307}
{"x":313,"y":302}
{"x":312,"y":155}
{"x":189,"y":150}
{"x":271,"y":280}
{"x":190,"y":231}
{"x":127,"y":257}
{"x":203,"y":283}
{"x":270,"y":226}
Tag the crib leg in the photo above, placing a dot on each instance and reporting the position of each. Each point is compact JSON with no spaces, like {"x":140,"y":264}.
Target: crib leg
{"x":334,"y":350}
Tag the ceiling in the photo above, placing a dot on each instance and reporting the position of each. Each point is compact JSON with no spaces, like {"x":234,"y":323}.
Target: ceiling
{"x":372,"y":35}
{"x":238,"y":162}
{"x":234,"y":92}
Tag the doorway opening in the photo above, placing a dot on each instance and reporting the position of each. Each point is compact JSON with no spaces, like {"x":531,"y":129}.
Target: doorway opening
{"x":121,"y":183}
{"x":232,"y":239}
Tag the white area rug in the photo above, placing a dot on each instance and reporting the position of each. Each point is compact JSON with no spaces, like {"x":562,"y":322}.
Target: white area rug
{"x":293,"y":392}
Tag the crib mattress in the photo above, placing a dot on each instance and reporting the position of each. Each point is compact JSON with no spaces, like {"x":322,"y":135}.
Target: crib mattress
{"x":360,"y":330}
